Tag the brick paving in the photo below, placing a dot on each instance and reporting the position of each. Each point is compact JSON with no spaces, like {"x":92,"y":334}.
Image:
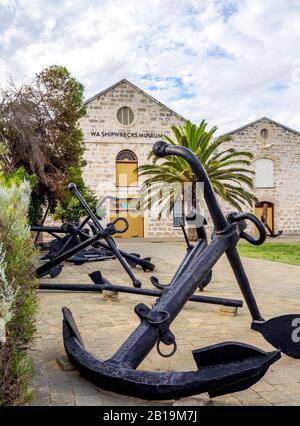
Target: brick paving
{"x":105,"y":323}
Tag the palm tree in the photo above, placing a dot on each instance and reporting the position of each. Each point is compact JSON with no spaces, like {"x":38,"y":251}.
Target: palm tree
{"x":227,"y":168}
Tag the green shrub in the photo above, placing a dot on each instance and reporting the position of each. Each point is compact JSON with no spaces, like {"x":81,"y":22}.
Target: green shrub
{"x":69,"y":209}
{"x":18,"y":299}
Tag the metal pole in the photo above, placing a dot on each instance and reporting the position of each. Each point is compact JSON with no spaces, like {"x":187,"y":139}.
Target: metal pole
{"x":141,"y":291}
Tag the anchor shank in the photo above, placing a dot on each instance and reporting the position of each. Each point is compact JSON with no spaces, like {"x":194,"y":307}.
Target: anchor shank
{"x":243,"y":282}
{"x":142,"y":340}
{"x":162,"y":149}
{"x":189,"y":259}
{"x":129,"y":256}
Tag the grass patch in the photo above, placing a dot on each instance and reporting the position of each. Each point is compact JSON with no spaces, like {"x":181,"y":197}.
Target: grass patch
{"x":276,"y":252}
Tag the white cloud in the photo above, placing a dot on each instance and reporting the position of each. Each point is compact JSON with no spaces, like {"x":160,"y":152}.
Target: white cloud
{"x":227,"y":61}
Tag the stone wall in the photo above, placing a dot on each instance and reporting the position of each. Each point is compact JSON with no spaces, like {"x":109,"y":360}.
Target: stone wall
{"x":282,"y":147}
{"x":151,"y":120}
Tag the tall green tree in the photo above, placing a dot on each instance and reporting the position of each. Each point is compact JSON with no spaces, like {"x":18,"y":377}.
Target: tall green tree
{"x":39,"y":131}
{"x":227,"y":168}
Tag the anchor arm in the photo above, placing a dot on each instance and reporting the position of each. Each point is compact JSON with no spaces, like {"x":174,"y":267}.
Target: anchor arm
{"x":226,"y":367}
{"x":216,"y":377}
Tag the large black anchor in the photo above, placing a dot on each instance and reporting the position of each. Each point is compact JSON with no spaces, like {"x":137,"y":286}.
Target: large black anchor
{"x":99,"y":232}
{"x":282,"y":332}
{"x":221,"y":368}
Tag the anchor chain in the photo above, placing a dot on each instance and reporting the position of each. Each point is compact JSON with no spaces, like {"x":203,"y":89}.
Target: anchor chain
{"x":160,"y":319}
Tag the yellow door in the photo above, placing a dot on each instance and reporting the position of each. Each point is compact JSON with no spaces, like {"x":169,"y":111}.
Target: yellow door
{"x":126,"y":208}
{"x":259,"y":211}
{"x":126,"y":174}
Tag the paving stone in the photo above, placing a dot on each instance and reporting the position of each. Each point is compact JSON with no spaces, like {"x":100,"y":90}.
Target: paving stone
{"x":60,"y":387}
{"x":262,"y":385}
{"x":287,"y":404}
{"x":275,"y":396}
{"x":105,"y":324}
{"x":88,"y":401}
{"x":83,"y":389}
{"x":112,"y":295}
{"x":64,"y":363}
{"x":41,"y":401}
{"x":289,"y":388}
{"x":61,"y":398}
{"x":42,"y":391}
{"x":189,"y":401}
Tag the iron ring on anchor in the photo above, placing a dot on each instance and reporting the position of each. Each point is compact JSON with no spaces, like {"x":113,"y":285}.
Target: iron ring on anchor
{"x":159,"y":321}
{"x":166,"y":355}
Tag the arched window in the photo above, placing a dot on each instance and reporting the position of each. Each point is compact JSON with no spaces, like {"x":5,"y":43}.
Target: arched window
{"x":264,"y":173}
{"x":126,"y":164}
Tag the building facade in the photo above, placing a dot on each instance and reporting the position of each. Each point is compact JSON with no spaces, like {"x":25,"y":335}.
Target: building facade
{"x":122,"y":124}
{"x":276,"y":163}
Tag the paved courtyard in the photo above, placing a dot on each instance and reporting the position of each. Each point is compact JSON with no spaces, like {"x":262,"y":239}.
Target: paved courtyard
{"x":105,"y":323}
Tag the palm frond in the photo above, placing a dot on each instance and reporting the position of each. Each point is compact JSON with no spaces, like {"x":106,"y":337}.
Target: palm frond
{"x":228,"y":169}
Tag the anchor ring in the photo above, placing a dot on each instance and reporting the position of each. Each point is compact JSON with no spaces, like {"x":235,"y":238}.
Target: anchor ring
{"x":166,"y":316}
{"x":166,"y":355}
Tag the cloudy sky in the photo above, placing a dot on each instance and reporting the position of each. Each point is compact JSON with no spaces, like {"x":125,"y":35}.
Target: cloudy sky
{"x":229,"y":62}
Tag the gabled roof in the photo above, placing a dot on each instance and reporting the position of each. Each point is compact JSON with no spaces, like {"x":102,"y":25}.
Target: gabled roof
{"x":133,"y":86}
{"x":257,"y":121}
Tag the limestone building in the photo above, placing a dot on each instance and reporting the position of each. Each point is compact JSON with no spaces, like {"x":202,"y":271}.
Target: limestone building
{"x":121,"y":126}
{"x":276,"y":163}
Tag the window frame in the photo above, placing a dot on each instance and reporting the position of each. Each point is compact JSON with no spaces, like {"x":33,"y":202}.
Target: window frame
{"x":130,"y":111}
{"x":256,"y":186}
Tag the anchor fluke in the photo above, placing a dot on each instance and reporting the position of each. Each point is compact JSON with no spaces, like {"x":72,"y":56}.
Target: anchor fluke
{"x":155,"y":282}
{"x":282,"y":332}
{"x":234,"y":352}
{"x":217,"y":378}
{"x":144,"y":263}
